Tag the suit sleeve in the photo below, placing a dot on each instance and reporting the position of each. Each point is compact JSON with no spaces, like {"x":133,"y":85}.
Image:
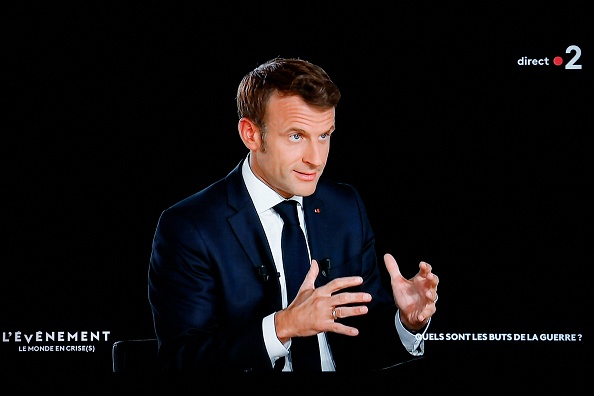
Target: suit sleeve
{"x":190,"y":311}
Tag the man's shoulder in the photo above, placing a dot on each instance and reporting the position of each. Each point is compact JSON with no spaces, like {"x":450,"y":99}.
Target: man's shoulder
{"x":213,"y":195}
{"x":330,"y":188}
{"x":210,"y":193}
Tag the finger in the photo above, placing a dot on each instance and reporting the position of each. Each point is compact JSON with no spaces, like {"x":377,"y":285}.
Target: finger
{"x":343,"y":283}
{"x":349,"y":298}
{"x":435,"y":280}
{"x":312,"y":274}
{"x":425,"y":269}
{"x":431,"y":296}
{"x":427,"y":313}
{"x":429,"y":309}
{"x":426,"y":272}
{"x":345,"y":312}
{"x":392,"y":266}
{"x":339,"y":328}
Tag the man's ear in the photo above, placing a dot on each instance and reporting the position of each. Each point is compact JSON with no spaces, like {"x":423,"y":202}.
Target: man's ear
{"x":249,"y":134}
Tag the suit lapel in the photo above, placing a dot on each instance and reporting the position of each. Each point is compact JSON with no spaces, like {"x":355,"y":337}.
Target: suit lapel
{"x":248,"y":230}
{"x":319,"y":235}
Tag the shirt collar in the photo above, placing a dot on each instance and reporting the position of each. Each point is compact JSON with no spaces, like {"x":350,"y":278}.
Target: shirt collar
{"x":263,"y":196}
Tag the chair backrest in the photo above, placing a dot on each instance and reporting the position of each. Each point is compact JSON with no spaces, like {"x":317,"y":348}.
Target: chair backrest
{"x":134,"y":356}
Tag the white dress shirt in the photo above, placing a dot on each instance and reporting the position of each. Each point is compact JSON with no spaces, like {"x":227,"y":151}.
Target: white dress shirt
{"x":264,"y":199}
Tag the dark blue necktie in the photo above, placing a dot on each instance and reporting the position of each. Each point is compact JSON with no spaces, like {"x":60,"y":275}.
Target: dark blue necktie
{"x":305,"y":351}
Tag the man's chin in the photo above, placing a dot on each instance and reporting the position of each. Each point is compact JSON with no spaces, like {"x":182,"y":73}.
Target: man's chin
{"x":305,"y":192}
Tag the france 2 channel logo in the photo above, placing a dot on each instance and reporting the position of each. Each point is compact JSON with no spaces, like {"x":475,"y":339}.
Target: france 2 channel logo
{"x":571,"y":64}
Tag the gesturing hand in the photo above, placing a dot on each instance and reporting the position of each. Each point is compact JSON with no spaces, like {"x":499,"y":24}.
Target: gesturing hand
{"x":313,"y":310}
{"x":414,"y":297}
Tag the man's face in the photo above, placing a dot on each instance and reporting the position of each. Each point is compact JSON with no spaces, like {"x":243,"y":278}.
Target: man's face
{"x":297,"y":142}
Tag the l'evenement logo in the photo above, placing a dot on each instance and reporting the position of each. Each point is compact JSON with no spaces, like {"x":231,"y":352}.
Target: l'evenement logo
{"x":55,"y":341}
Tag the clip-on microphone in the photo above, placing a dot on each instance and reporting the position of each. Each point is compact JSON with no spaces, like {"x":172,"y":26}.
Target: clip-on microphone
{"x":262,"y":273}
{"x":325,"y":267}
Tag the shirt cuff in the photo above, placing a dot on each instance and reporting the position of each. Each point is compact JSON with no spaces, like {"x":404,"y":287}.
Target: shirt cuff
{"x":274,"y":347}
{"x":414,"y":343}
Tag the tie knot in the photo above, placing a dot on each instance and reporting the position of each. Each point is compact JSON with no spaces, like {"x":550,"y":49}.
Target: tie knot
{"x":288,"y":211}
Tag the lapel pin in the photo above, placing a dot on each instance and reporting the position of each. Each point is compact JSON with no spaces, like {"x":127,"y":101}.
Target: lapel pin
{"x":317,"y":210}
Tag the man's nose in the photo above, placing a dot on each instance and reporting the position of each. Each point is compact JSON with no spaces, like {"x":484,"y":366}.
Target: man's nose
{"x":315,"y":153}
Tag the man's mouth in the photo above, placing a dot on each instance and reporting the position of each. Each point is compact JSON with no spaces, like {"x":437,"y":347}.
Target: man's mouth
{"x":306,"y":176}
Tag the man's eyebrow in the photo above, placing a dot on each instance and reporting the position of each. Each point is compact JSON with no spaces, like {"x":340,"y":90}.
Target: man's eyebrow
{"x":301,"y":130}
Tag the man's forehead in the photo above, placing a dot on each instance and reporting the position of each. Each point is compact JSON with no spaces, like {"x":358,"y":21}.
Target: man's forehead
{"x":294,"y":112}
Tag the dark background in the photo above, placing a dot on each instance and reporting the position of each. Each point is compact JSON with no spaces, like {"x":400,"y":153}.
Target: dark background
{"x":466,"y":160}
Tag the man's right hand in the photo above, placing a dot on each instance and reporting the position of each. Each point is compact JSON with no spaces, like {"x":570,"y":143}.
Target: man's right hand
{"x":315,"y":310}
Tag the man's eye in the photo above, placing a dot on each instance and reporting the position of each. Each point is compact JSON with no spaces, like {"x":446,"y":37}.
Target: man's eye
{"x":295,"y":137}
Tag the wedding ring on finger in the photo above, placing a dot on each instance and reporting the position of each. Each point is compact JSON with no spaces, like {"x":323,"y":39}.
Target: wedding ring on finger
{"x":334,"y":316}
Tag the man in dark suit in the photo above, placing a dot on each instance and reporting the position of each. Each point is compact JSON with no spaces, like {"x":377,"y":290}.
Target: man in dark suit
{"x":217,"y":283}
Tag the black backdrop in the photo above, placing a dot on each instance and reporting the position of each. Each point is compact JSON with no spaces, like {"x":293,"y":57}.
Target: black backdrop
{"x":465,"y":158}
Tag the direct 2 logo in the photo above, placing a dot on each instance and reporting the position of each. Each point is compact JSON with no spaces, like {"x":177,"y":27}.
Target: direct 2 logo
{"x":557,"y":60}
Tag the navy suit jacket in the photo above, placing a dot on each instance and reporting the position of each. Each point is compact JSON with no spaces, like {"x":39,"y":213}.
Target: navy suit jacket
{"x":208,"y":295}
